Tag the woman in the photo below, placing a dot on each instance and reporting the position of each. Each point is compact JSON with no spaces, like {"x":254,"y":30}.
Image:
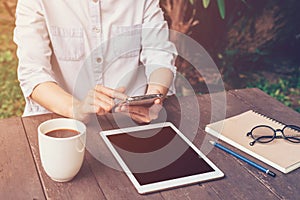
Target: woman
{"x":78,"y":57}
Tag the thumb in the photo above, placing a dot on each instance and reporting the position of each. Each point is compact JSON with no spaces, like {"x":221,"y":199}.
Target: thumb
{"x":121,"y":89}
{"x":157,"y":101}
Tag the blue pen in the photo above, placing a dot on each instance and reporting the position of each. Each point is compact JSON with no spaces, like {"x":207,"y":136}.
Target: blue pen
{"x":261,"y":168}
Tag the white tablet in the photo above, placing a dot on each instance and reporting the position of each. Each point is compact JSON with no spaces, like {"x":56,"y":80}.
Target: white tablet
{"x":158,"y":156}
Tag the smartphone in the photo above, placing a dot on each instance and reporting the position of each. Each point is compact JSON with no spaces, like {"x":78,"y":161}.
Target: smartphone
{"x":143,"y":100}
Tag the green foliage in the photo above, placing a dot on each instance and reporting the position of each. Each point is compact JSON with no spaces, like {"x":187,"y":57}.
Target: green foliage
{"x":11,"y":98}
{"x":281,"y":89}
{"x":221,"y":6}
{"x":192,"y":1}
{"x":205,"y":3}
{"x":6,"y":56}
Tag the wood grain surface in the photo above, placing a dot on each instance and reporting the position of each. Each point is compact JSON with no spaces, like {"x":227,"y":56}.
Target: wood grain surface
{"x":22,"y":175}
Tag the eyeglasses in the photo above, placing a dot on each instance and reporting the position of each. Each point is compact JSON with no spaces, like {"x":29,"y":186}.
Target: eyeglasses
{"x":266,"y":134}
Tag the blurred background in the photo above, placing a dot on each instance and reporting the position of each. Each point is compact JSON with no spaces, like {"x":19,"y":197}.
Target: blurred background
{"x":254,"y":43}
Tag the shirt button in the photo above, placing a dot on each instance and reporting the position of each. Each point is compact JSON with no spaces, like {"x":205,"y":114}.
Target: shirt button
{"x":96,"y":29}
{"x":99,"y":60}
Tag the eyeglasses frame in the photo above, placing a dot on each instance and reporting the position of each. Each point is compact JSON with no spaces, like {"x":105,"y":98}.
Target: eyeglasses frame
{"x":283,"y":136}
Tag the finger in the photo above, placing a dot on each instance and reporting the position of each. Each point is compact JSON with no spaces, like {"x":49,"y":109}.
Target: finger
{"x":97,"y":105}
{"x":144,"y":114}
{"x":121,"y":89}
{"x":156,"y":107}
{"x":157,"y":101}
{"x":102,"y":106}
{"x":138,"y":118}
{"x":140,"y":110}
{"x":96,"y":109}
{"x":132,"y":110}
{"x":111,"y":92}
{"x":96,"y":98}
{"x":154,"y":111}
{"x":102,"y":97}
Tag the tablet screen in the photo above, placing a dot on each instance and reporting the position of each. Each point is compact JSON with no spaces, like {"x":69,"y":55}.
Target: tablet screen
{"x":157,"y":155}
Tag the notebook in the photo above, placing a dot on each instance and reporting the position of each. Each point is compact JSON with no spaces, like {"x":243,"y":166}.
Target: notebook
{"x":279,"y":153}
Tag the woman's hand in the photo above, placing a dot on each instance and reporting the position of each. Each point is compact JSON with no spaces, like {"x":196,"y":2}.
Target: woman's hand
{"x":99,"y":100}
{"x":145,"y":114}
{"x":142,"y":114}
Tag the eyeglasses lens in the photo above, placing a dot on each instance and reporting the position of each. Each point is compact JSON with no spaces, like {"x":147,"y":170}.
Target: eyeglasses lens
{"x":263,"y":134}
{"x":292,"y":134}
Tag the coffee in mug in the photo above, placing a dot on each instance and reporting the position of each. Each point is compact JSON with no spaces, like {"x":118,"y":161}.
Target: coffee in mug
{"x":62,"y":133}
{"x":61,"y":146}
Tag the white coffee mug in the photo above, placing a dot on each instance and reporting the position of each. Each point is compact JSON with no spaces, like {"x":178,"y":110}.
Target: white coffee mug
{"x":61,"y":158}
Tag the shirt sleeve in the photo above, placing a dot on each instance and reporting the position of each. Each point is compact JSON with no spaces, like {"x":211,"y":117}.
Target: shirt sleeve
{"x":33,"y":46}
{"x":157,"y":50}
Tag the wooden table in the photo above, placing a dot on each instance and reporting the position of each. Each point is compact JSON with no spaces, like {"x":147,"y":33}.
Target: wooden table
{"x":22,"y":176}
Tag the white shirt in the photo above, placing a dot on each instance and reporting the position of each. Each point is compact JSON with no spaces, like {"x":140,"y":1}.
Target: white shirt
{"x":79,"y":44}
